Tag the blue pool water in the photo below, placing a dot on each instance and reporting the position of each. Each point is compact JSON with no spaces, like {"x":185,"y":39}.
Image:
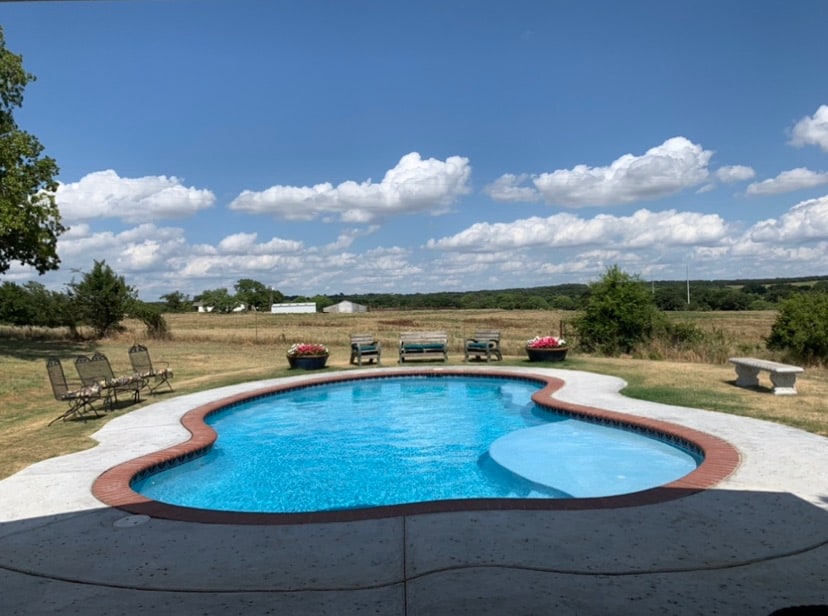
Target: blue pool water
{"x":387,"y":441}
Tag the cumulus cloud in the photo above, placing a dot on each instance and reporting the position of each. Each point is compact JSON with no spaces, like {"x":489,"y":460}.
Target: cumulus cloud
{"x":105,"y":194}
{"x":734,"y":173}
{"x":507,"y":188}
{"x":413,"y":185}
{"x":806,"y":221}
{"x":643,"y":228}
{"x":666,"y":169}
{"x":139,"y":249}
{"x":812,"y":130}
{"x":246,"y":244}
{"x":788,"y":181}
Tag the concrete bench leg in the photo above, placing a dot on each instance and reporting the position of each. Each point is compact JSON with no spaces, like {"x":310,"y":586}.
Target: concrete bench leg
{"x":783,"y":384}
{"x":747,"y":376}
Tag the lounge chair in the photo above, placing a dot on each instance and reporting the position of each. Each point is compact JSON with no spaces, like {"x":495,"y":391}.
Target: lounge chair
{"x":96,"y":370}
{"x":483,"y":343}
{"x":365,"y":347}
{"x":79,"y":400}
{"x":142,"y":365}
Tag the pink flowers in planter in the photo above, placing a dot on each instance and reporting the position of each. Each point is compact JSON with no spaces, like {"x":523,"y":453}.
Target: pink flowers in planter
{"x":304,"y":349}
{"x":546,"y":342}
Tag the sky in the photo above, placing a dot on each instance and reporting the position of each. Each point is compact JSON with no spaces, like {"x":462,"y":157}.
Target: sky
{"x":325,"y":147}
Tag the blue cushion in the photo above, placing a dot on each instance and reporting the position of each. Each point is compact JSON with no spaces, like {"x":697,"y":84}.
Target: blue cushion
{"x":429,"y":346}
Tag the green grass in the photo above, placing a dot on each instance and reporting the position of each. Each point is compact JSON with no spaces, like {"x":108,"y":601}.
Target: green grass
{"x":209,"y":351}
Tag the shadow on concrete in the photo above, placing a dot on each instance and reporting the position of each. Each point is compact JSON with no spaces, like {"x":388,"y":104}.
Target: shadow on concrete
{"x":718,"y":551}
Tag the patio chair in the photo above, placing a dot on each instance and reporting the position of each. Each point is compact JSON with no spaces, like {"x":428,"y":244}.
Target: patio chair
{"x":142,"y":365}
{"x":96,"y":370}
{"x":365,"y":346}
{"x":79,"y":400}
{"x":483,"y":343}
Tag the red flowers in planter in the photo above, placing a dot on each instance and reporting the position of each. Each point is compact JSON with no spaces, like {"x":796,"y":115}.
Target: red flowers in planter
{"x":546,"y":342}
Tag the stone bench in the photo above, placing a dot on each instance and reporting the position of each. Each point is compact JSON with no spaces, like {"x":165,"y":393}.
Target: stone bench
{"x":783,"y":376}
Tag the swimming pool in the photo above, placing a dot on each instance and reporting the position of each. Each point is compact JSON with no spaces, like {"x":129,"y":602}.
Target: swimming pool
{"x":409,"y":439}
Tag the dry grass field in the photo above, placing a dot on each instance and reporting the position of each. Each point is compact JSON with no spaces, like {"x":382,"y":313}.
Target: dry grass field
{"x":211,"y":350}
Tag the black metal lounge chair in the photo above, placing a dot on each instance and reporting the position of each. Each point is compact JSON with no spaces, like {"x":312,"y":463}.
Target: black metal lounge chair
{"x":96,"y":370}
{"x":79,"y":400}
{"x":142,"y":365}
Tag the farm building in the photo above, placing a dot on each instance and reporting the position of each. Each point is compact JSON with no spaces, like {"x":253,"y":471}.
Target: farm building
{"x":293,"y":307}
{"x":346,"y":307}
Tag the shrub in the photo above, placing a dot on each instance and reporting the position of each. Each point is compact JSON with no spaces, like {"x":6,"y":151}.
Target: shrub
{"x":101,"y":299}
{"x":620,"y":314}
{"x":801,"y":328}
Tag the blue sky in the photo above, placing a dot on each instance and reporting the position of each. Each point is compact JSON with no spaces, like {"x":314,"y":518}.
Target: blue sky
{"x":322,"y":147}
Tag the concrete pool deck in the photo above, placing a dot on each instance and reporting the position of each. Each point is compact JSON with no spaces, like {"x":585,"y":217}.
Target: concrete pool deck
{"x":755,"y":543}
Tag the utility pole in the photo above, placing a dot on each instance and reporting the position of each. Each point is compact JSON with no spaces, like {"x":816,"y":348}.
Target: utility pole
{"x":687,"y":273}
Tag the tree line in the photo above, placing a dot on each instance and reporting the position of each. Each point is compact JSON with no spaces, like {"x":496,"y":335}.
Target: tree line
{"x":667,"y":295}
{"x":617,"y":314}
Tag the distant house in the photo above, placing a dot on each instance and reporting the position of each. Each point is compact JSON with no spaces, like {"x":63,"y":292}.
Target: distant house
{"x":293,"y":307}
{"x":346,"y":307}
{"x":202,"y":307}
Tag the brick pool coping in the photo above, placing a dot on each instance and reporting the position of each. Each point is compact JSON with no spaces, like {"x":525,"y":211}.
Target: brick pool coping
{"x":113,"y":487}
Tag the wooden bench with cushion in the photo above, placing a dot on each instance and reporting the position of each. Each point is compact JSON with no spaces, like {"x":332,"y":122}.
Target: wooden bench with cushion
{"x":423,"y":345}
{"x":483,"y":343}
{"x":783,"y":376}
{"x":365,"y":347}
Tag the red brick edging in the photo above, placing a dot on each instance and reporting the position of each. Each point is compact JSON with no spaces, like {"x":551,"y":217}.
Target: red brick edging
{"x":113,"y":486}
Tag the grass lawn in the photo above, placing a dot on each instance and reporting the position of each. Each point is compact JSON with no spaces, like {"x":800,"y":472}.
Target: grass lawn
{"x":209,"y":351}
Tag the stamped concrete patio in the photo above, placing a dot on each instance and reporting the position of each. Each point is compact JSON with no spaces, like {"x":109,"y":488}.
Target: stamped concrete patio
{"x":755,"y":543}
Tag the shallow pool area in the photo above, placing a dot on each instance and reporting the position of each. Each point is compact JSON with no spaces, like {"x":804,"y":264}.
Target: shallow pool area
{"x":376,"y":442}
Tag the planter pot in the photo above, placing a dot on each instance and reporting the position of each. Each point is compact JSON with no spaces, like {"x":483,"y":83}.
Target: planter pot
{"x":558,"y":354}
{"x":308,"y":362}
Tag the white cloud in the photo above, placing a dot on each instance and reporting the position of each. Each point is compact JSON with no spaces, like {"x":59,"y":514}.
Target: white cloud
{"x":105,"y":194}
{"x":788,"y":181}
{"x":643,"y":228}
{"x":140,"y":249}
{"x":734,"y":173}
{"x":507,"y":188}
{"x":812,"y":130}
{"x":413,"y":185}
{"x":245,"y":244}
{"x":666,"y":169}
{"x":806,"y":221}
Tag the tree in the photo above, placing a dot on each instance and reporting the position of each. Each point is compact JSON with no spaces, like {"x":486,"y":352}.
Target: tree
{"x":801,"y":328}
{"x":219,"y":300}
{"x":16,"y":306}
{"x":177,"y":302}
{"x":253,"y":294}
{"x":29,"y":216}
{"x":102,"y":298}
{"x":151,"y":317}
{"x":620,"y":313}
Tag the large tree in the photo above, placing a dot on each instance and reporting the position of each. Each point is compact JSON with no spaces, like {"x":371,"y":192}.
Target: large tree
{"x":253,"y":294}
{"x":29,"y":216}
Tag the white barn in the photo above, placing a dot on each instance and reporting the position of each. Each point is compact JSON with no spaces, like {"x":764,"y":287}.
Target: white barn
{"x":293,"y":308}
{"x":346,"y":307}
